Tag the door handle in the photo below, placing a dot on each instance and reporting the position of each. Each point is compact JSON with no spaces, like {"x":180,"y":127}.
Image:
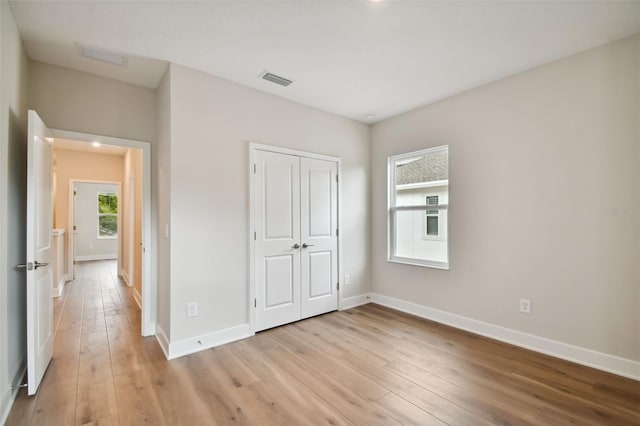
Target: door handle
{"x":295,"y":246}
{"x":27,"y":266}
{"x":39,"y":265}
{"x":305,"y":245}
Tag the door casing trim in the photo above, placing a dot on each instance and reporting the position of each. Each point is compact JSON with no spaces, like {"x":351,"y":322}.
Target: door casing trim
{"x":253,"y":147}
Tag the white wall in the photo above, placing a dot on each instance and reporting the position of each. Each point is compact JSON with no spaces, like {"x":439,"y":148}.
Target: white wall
{"x":559,"y":148}
{"x":212,"y":122}
{"x":87,"y":244}
{"x":13,"y":103}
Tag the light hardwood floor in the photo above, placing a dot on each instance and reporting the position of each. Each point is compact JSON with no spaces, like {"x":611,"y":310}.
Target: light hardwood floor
{"x":369,"y":365}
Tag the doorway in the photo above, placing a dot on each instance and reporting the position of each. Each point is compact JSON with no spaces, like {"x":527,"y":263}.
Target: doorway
{"x":295,"y":263}
{"x":133,"y":216}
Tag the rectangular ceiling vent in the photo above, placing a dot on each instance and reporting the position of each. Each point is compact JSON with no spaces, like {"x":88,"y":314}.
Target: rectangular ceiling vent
{"x":103,"y":55}
{"x":276,"y":79}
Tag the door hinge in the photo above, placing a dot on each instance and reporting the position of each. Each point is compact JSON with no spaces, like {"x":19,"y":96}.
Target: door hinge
{"x":74,"y":192}
{"x":337,"y":232}
{"x":74,"y":227}
{"x":255,"y":236}
{"x":338,"y":287}
{"x":254,"y":169}
{"x":336,"y":178}
{"x":255,"y":303}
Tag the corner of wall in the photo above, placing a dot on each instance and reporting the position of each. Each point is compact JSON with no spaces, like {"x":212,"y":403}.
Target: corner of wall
{"x":162,"y":209}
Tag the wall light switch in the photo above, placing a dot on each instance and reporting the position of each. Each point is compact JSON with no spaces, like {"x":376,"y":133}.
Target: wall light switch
{"x":347,"y":279}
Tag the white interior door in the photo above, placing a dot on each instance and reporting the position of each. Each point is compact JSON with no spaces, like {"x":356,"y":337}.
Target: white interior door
{"x":39,"y":241}
{"x":319,"y":224}
{"x":277,"y":239}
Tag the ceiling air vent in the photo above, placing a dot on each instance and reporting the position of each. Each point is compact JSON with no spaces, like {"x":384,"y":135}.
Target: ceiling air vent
{"x":103,"y":55}
{"x":276,"y":79}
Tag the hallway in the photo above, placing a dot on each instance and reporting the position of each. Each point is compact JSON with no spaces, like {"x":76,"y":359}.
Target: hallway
{"x":97,"y":343}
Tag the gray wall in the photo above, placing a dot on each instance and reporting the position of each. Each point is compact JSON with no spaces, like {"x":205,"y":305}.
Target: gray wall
{"x":74,"y":100}
{"x":13,"y":116}
{"x":87,"y":243}
{"x":212,"y":122}
{"x":544,"y":201}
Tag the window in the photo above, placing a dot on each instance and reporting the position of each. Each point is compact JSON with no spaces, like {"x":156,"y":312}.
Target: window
{"x":418,"y":208}
{"x":431,"y":224}
{"x":107,"y":215}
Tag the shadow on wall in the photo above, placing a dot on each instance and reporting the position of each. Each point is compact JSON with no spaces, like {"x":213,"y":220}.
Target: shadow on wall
{"x":17,"y":238}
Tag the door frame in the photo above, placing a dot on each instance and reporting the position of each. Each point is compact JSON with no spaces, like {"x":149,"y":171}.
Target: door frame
{"x":253,"y":147}
{"x":72,"y":217}
{"x":149,"y":279}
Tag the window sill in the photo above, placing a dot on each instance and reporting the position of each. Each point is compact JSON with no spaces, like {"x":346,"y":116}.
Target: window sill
{"x":115,"y":237}
{"x":418,"y":262}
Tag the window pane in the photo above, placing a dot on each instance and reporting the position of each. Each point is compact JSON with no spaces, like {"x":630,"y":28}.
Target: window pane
{"x":422,"y":171}
{"x":108,"y":226}
{"x":432,"y":225}
{"x":107,"y":203}
{"x":411,"y":241}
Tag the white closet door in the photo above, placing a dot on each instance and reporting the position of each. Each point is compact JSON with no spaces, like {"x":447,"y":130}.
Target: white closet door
{"x":277,"y":227}
{"x":319,"y":223}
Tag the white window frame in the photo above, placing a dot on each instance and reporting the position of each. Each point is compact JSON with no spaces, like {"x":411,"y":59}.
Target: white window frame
{"x":107,"y":237}
{"x":392,"y":208}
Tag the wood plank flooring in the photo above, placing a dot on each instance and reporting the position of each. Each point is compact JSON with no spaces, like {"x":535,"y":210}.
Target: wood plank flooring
{"x":366,"y":366}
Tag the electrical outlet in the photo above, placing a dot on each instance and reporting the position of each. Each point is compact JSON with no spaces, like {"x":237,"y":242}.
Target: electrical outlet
{"x":525,"y":306}
{"x":347,"y":279}
{"x":192,"y":310}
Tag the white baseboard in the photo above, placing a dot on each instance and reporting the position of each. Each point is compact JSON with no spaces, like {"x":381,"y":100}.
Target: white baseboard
{"x":137,"y":297}
{"x":162,"y":340}
{"x":57,"y":291}
{"x":209,"y":340}
{"x":352,"y":302}
{"x":610,"y":363}
{"x":96,"y":257}
{"x":9,"y":394}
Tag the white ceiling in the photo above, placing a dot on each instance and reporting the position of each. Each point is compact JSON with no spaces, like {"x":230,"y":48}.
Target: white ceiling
{"x":351,"y":58}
